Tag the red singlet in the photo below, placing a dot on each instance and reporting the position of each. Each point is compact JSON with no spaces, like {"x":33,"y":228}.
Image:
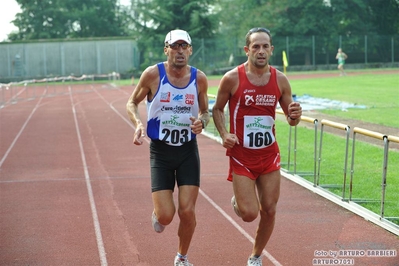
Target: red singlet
{"x":252,"y":114}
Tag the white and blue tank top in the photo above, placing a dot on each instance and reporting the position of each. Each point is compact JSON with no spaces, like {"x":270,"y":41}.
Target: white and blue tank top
{"x":170,"y":110}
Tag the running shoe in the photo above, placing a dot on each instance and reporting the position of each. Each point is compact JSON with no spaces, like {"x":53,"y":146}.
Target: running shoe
{"x":182,"y":262}
{"x":157,"y":226}
{"x":234,"y":204}
{"x":254,"y":261}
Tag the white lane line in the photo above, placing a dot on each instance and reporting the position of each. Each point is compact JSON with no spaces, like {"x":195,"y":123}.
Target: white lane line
{"x":14,"y":97}
{"x":217,"y":207}
{"x":97,"y":229}
{"x":20,"y":131}
{"x":238,"y":227}
{"x":111,"y":105}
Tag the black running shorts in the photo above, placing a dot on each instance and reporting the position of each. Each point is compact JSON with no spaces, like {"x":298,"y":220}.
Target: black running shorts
{"x":174,"y":164}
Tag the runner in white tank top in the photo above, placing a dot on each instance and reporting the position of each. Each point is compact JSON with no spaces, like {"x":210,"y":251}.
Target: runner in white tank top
{"x":170,"y":110}
{"x":177,"y":106}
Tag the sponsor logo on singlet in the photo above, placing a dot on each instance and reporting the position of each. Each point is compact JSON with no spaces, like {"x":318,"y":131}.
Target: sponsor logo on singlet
{"x":189,"y":99}
{"x":177,"y":109}
{"x":165,"y":97}
{"x":265,"y":100}
{"x":173,"y":121}
{"x":257,"y":124}
{"x":178,"y":98}
{"x":249,"y":99}
{"x":260,"y":99}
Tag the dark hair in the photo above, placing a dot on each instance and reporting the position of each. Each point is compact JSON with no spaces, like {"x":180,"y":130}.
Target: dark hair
{"x":253,"y":30}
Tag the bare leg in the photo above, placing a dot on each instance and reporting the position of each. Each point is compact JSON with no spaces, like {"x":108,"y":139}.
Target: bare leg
{"x":341,"y":69}
{"x":246,"y":198}
{"x":269,"y":191}
{"x":186,"y":210}
{"x":164,"y":206}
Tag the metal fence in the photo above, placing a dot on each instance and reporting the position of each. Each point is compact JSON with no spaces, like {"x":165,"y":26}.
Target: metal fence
{"x":49,"y":59}
{"x":338,"y":180}
{"x":213,"y":56}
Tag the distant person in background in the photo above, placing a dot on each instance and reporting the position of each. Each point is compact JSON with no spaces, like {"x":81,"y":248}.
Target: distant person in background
{"x":341,"y":57}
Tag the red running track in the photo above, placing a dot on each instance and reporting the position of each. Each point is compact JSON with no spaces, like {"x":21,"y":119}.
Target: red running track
{"x":74,"y":190}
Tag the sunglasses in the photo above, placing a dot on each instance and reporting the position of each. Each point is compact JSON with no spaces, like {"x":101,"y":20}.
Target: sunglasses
{"x":253,"y":30}
{"x":176,"y":46}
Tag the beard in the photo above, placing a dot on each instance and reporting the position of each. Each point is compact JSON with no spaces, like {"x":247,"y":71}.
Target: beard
{"x":179,"y":63}
{"x":260,"y":63}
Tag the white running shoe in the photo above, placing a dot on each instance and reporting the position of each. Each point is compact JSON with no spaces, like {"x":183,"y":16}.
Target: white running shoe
{"x":182,"y":262}
{"x":234,"y":204}
{"x":157,"y":226}
{"x":253,"y":261}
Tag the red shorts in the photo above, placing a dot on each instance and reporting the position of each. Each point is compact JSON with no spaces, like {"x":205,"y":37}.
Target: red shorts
{"x":255,"y":167}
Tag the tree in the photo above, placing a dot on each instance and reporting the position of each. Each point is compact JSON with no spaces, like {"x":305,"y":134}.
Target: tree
{"x":305,"y":19}
{"x":238,"y":16}
{"x":302,"y":19}
{"x":49,"y":19}
{"x":154,"y":18}
{"x":159,"y":17}
{"x":383,"y":14}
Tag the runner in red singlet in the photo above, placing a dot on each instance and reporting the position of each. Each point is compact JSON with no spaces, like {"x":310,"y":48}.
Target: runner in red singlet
{"x":252,"y":91}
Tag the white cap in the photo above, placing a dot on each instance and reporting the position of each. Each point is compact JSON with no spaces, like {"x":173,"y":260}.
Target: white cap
{"x":177,"y":35}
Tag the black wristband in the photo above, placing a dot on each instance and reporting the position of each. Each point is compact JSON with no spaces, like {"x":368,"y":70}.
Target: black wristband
{"x":203,"y":123}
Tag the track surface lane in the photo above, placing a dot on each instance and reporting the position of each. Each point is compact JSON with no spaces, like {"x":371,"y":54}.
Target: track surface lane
{"x":46,"y":217}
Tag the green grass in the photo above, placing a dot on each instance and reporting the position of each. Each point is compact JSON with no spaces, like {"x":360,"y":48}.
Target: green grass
{"x":367,"y":167}
{"x":125,"y":82}
{"x":380,"y":94}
